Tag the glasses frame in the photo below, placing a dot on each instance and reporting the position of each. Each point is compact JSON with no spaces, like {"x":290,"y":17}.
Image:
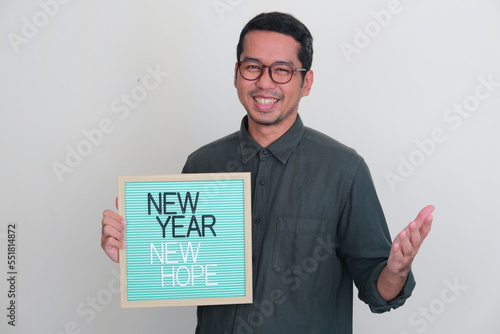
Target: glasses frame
{"x":294,"y":69}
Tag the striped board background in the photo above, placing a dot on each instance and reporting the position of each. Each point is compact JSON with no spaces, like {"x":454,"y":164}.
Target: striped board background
{"x":188,"y":239}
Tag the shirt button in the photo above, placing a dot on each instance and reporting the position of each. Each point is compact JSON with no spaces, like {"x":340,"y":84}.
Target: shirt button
{"x":262,"y":182}
{"x":265,"y":151}
{"x":256,"y":220}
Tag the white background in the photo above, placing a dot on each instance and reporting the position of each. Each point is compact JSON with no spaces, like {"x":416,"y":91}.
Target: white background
{"x":65,"y":70}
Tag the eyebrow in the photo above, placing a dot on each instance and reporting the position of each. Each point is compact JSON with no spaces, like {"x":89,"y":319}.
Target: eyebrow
{"x":276,"y":62}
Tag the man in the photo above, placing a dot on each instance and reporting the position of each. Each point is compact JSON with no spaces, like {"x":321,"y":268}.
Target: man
{"x":317,"y":222}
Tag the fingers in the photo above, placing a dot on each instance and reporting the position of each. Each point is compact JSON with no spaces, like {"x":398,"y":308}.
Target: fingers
{"x":112,"y":225}
{"x":415,"y":237}
{"x":109,"y":232}
{"x":399,"y":262}
{"x":112,"y":245}
{"x":407,"y":243}
{"x":112,"y":215}
{"x":421,"y":226}
{"x":410,"y":242}
{"x":423,"y":215}
{"x":426,"y":226}
{"x":112,"y":237}
{"x":411,"y":239}
{"x":403,"y":250}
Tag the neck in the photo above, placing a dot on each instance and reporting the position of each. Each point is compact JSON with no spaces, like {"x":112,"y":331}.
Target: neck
{"x":265,"y":135}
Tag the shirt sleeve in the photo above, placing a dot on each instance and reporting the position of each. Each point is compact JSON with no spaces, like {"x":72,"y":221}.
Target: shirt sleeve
{"x":365,"y":241}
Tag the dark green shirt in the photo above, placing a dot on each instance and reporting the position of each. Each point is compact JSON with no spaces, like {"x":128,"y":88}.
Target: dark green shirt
{"x":317,"y":226}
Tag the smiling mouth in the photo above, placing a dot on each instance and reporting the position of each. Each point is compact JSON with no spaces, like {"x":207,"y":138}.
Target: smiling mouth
{"x":265,"y":101}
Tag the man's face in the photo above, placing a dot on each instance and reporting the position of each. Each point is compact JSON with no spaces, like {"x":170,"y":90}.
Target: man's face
{"x":266,"y":102}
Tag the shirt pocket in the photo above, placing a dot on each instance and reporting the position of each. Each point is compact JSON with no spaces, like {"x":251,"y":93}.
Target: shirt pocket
{"x":296,"y":241}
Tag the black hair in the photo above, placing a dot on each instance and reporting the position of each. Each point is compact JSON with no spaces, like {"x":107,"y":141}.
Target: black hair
{"x":284,"y":24}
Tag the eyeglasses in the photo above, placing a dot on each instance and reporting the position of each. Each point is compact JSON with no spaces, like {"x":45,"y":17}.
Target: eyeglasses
{"x":280,"y":73}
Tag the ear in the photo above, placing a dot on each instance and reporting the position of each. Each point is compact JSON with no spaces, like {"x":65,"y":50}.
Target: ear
{"x":235,"y":73}
{"x":307,"y":83}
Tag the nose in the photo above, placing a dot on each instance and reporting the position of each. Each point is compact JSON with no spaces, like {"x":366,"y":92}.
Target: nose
{"x":265,"y":81}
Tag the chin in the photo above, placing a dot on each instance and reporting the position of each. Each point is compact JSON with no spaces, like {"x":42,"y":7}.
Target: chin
{"x":264,"y":120}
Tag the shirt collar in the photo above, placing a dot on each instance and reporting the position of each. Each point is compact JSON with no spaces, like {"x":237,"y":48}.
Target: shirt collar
{"x":282,"y":148}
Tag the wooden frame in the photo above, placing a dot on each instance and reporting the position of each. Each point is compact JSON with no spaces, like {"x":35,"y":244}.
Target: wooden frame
{"x":188,"y":239}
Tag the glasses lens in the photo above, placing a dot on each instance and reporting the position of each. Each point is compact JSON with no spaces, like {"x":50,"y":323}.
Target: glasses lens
{"x":250,"y":70}
{"x":281,"y":73}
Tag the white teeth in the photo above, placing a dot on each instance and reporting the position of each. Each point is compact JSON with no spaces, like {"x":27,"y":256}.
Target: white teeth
{"x":265,"y":101}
